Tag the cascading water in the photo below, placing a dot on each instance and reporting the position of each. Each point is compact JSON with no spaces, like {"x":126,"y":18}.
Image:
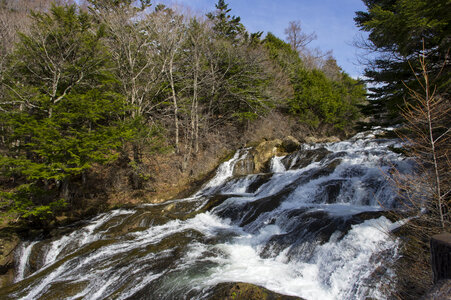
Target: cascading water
{"x":313,"y":227}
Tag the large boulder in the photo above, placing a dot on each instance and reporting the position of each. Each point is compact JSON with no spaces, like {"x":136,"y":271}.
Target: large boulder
{"x":264,"y":152}
{"x":244,"y":166}
{"x":290,"y":144}
{"x":441,"y":256}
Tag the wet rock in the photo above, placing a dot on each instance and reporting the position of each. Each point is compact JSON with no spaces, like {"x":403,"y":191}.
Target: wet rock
{"x":315,"y":140}
{"x":290,"y":144}
{"x":306,"y":229}
{"x":329,"y":191}
{"x":65,"y":290}
{"x":248,"y":212}
{"x":36,"y":258}
{"x":8,"y":243}
{"x":256,"y":184}
{"x":441,"y":256}
{"x":263,"y":153}
{"x":303,"y":158}
{"x":245,"y":291}
{"x":244,"y":166}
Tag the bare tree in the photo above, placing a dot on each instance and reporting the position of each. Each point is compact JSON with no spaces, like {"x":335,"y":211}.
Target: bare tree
{"x":331,"y":69}
{"x":130,"y":40}
{"x":297,"y":38}
{"x":170,"y":35}
{"x":425,"y":194}
{"x":428,"y":124}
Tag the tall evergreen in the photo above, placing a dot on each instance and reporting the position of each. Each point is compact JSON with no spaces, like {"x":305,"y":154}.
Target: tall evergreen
{"x":399,"y":32}
{"x":224,"y":25}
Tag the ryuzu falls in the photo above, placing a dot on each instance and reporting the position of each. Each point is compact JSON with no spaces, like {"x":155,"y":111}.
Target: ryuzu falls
{"x":315,"y":225}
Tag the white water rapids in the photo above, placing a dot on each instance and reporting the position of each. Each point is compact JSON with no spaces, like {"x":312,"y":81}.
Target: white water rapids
{"x":313,"y":227}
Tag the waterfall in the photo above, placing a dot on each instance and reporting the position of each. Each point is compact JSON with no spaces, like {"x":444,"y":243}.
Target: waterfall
{"x":315,"y":227}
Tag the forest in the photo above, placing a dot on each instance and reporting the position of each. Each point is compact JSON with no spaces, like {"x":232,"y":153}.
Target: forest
{"x":119,"y":83}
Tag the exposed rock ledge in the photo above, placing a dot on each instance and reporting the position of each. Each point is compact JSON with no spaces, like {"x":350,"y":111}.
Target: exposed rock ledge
{"x":246,"y":291}
{"x":257,"y":161}
{"x":314,"y":140}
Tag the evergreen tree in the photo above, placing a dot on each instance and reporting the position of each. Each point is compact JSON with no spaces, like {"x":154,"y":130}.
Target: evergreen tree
{"x":62,"y":114}
{"x":224,"y":25}
{"x":399,"y":31}
{"x":316,"y":99}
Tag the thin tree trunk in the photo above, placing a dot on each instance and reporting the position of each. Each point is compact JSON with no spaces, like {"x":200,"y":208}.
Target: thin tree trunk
{"x":195,"y":118}
{"x":174,"y":100}
{"x":432,"y":141}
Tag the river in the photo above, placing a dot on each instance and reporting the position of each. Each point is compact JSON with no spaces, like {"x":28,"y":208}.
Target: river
{"x":314,"y":226}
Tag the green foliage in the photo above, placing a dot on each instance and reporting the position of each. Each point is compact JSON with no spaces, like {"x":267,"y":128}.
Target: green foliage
{"x":67,"y":118}
{"x":282,"y":53}
{"x":224,"y":25}
{"x":317,"y":100}
{"x":242,"y":92}
{"x":21,"y":202}
{"x":399,"y":31}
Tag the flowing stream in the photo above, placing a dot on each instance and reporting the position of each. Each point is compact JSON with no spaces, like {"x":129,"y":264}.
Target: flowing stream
{"x":314,"y":226}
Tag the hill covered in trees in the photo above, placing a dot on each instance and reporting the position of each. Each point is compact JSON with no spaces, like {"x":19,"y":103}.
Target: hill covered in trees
{"x":147,"y":93}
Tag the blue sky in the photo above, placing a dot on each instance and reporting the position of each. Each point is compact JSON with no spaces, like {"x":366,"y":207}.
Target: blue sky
{"x":332,"y":20}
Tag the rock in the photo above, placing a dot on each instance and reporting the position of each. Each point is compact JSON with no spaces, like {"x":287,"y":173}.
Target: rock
{"x":168,"y":207}
{"x":441,"y":256}
{"x":314,"y":140}
{"x":245,"y":291}
{"x":290,"y":144}
{"x":244,"y":166}
{"x":8,"y":243}
{"x":260,"y":180}
{"x":311,"y":140}
{"x":331,"y":139}
{"x":263,"y":153}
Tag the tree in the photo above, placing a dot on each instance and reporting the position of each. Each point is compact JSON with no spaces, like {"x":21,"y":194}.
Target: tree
{"x":397,"y":29}
{"x":298,"y":39}
{"x":130,"y":35}
{"x":129,"y":39}
{"x":170,"y":34}
{"x":317,"y":100}
{"x":425,"y":194}
{"x":62,"y":114}
{"x":224,"y":25}
{"x":197,"y":39}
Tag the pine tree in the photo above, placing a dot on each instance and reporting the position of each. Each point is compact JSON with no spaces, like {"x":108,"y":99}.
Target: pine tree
{"x":397,"y":31}
{"x":224,"y":25}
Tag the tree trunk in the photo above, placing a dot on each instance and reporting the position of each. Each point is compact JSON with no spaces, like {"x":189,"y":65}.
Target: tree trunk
{"x":174,"y":100}
{"x":195,"y":117}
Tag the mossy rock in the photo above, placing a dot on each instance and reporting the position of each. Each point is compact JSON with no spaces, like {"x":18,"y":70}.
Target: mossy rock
{"x":245,"y":291}
{"x":8,"y":243}
{"x":290,"y":144}
{"x":264,"y":152}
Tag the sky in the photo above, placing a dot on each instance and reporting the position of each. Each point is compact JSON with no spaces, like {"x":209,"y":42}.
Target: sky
{"x":332,"y":20}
